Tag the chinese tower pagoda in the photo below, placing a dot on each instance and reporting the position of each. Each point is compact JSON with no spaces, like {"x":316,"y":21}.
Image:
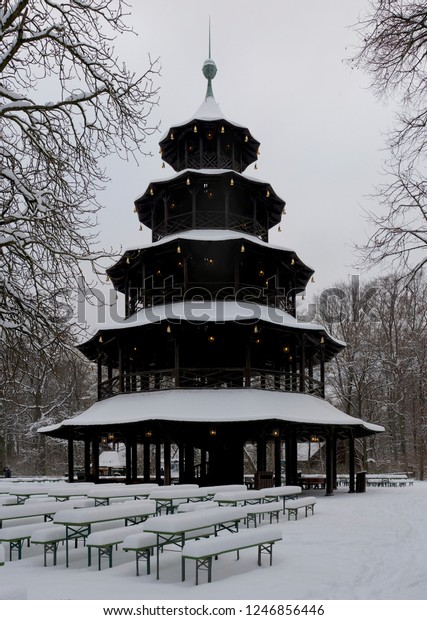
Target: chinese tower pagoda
{"x":210,"y":356}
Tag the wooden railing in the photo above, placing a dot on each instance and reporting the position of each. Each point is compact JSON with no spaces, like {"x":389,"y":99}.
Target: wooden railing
{"x":195,"y":378}
{"x":209,"y":219}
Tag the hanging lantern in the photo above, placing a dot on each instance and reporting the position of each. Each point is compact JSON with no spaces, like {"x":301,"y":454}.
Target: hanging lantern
{"x":195,"y":129}
{"x":163,"y":165}
{"x":168,"y":329}
{"x":134,"y":209}
{"x":188,"y":182}
{"x":172,"y":137}
{"x":212,"y":432}
{"x":151,"y":191}
{"x":223,"y":129}
{"x":101,"y":339}
{"x":178,"y":249}
{"x":322,"y":340}
{"x":242,"y":248}
{"x":211,"y":338}
{"x":140,"y":227}
{"x":127,"y":260}
{"x":285,"y":349}
{"x":279,"y":229}
{"x":312,"y":279}
{"x":246,"y":138}
{"x":267,"y":193}
{"x":231,"y":182}
{"x":275,"y":432}
{"x":256,"y":167}
{"x":292,"y":261}
{"x":256,"y":329}
{"x":148,"y":433}
{"x":261,"y":272}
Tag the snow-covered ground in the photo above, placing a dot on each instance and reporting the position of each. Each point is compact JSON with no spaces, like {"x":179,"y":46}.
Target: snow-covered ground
{"x":356,"y":546}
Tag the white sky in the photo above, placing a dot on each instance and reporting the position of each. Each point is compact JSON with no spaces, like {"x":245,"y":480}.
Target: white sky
{"x":281,"y":72}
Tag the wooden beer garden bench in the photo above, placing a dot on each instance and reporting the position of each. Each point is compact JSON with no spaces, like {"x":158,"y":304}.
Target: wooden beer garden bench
{"x":293,"y":505}
{"x":202,"y":551}
{"x":255,"y":513}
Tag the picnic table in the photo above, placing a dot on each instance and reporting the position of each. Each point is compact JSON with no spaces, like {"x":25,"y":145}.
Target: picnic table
{"x":43,"y":509}
{"x":174,"y":528}
{"x":24,"y":491}
{"x":236,"y":498}
{"x":169,"y":498}
{"x":79,"y":523}
{"x":284,"y":492}
{"x":102,"y":495}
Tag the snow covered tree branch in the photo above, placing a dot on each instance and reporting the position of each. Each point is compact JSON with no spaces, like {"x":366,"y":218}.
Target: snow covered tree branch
{"x":66,"y":103}
{"x":393,"y":52}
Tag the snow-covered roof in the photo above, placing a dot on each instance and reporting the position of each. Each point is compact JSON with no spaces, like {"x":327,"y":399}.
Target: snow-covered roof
{"x":206,"y":311}
{"x":212,"y":406}
{"x":209,"y":110}
{"x":210,"y":235}
{"x":206,"y":171}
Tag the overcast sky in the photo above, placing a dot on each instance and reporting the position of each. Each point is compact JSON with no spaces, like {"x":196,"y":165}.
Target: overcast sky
{"x":282,"y":72}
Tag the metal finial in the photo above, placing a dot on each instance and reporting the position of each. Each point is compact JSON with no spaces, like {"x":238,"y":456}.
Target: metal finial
{"x":209,"y":68}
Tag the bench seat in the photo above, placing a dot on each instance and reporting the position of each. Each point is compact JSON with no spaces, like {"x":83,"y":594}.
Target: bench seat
{"x":202,"y":551}
{"x":293,"y":505}
{"x":144,"y":543}
{"x":105,"y":540}
{"x":255,"y":512}
{"x":49,"y":536}
{"x":16,"y":537}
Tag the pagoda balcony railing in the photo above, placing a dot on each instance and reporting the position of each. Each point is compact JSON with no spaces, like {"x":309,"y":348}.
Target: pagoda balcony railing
{"x":209,"y":219}
{"x":195,"y":378}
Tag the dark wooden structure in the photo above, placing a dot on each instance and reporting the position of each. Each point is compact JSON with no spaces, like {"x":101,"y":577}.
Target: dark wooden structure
{"x":210,"y":331}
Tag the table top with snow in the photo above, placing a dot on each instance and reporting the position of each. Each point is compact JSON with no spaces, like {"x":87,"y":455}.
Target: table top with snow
{"x":177,"y":493}
{"x":120,"y":490}
{"x":198,"y":519}
{"x":134,"y":508}
{"x":282,"y":491}
{"x":240,"y":496}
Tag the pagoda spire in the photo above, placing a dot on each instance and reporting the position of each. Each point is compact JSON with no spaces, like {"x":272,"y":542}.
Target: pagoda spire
{"x":209,"y":68}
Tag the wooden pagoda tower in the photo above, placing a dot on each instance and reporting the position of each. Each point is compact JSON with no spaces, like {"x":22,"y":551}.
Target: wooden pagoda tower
{"x":210,"y":355}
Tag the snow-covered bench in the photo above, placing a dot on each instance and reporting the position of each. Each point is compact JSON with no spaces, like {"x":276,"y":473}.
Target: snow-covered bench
{"x":16,"y":537}
{"x":144,"y":543}
{"x":202,"y":551}
{"x":272,"y":509}
{"x":50,"y":536}
{"x":293,"y":505}
{"x":105,"y":540}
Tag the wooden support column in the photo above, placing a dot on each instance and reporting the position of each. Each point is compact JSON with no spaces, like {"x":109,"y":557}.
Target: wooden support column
{"x":95,"y":459}
{"x":158,"y":462}
{"x":167,"y":461}
{"x":322,"y":370}
{"x":121,"y":375}
{"x":70,"y":459}
{"x":146,"y":461}
{"x":351,"y":462}
{"x":189,"y":462}
{"x":329,"y":447}
{"x":181,"y":461}
{"x":302,"y":365}
{"x":87,"y":459}
{"x":134,"y":460}
{"x":261,"y":453}
{"x":128,"y":460}
{"x":291,"y":456}
{"x":99,"y":368}
{"x":203,"y":465}
{"x":277,"y":461}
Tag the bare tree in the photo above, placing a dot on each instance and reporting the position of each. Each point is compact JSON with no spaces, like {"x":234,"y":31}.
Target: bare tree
{"x":393,"y":52}
{"x":66,"y":103}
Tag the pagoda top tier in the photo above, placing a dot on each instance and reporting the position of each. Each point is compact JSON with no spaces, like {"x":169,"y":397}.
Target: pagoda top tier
{"x":208,"y":139}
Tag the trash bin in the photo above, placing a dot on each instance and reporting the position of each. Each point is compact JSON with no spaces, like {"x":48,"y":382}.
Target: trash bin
{"x":361,"y":482}
{"x":263,"y":479}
